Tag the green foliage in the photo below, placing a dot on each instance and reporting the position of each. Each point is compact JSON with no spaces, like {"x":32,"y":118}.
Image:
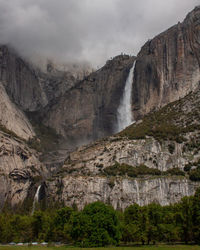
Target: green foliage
{"x":100,"y":225}
{"x":175,"y":171}
{"x":171,"y":148}
{"x":164,"y":124}
{"x":97,"y":225}
{"x":194,"y":174}
{"x":187,"y":167}
{"x":193,"y":170}
{"x":196,"y":216}
{"x":125,"y":169}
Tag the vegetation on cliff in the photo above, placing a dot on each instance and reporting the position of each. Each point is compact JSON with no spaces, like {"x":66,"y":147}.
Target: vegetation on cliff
{"x":171,"y":122}
{"x":141,"y":170}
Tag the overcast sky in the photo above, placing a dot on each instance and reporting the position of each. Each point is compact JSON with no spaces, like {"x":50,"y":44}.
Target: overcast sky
{"x":92,"y":30}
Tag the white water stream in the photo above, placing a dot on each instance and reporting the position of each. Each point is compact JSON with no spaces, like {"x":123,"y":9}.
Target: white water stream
{"x":124,"y":113}
{"x":36,"y":199}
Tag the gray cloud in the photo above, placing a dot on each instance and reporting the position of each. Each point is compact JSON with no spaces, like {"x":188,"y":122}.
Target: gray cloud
{"x":91,"y":30}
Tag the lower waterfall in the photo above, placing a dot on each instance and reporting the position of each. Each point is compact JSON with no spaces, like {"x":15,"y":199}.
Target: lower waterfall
{"x":124,"y":113}
{"x":36,"y":199}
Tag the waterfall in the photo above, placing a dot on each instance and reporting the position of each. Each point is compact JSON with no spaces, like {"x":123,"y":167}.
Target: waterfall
{"x":36,"y":198}
{"x":124,"y":114}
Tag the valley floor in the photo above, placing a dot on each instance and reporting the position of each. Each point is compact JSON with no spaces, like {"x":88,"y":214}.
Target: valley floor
{"x":155,"y":247}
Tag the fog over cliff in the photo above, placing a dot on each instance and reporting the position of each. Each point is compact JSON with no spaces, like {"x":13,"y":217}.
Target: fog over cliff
{"x":86,"y":30}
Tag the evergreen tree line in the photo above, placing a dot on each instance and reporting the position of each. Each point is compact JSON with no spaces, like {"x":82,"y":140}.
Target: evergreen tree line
{"x":100,"y":225}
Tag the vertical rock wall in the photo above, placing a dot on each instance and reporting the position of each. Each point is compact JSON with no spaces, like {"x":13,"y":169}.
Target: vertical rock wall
{"x":168,"y":66}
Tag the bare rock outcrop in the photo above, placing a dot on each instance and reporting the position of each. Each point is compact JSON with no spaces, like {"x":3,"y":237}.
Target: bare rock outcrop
{"x":89,"y":110}
{"x":12,"y":118}
{"x":168,"y":66}
{"x":120,"y":192}
{"x":106,"y":170}
{"x":20,"y":170}
{"x":20,"y":81}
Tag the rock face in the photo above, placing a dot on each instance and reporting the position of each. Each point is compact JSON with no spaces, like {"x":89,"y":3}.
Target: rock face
{"x":20,"y":81}
{"x":168,"y":66}
{"x":81,"y":179}
{"x":19,"y":170}
{"x":13,"y":118}
{"x":88,"y":110}
{"x":29,"y":87}
{"x":85,"y":177}
{"x":93,"y":159}
{"x":79,"y":110}
{"x":120,"y":193}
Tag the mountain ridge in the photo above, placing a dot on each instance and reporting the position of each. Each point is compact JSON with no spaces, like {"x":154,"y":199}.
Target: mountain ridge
{"x":156,"y":159}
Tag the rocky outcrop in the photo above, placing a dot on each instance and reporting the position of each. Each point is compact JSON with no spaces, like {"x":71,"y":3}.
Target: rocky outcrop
{"x":82,"y":178}
{"x":20,"y":170}
{"x":20,"y":81}
{"x":104,"y":170}
{"x":120,"y":193}
{"x":88,"y":110}
{"x":79,"y":110}
{"x":168,"y":66}
{"x":93,"y":159}
{"x":12,"y":118}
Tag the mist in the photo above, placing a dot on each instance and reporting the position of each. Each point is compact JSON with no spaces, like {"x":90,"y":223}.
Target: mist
{"x":72,"y":31}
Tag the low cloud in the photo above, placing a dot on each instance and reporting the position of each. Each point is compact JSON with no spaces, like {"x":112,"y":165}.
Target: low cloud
{"x":85,"y":30}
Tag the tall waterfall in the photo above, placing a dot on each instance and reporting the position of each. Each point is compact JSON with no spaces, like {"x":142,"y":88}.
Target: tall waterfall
{"x":36,"y":198}
{"x":124,"y":114}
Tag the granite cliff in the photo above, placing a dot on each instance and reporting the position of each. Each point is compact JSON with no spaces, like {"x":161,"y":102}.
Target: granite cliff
{"x":155,"y":159}
{"x":88,"y":110}
{"x":20,"y":171}
{"x":168,"y":66}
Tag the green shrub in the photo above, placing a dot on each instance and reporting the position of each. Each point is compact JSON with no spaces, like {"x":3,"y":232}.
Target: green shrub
{"x":187,"y":167}
{"x":171,"y":148}
{"x":194,"y":174}
{"x":125,"y":169}
{"x":175,"y":171}
{"x":164,"y":124}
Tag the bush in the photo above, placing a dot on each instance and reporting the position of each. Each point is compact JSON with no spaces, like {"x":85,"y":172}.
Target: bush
{"x":164,"y":124}
{"x":194,"y":174}
{"x":125,"y":169}
{"x":187,"y":167}
{"x":175,"y":171}
{"x":171,"y":148}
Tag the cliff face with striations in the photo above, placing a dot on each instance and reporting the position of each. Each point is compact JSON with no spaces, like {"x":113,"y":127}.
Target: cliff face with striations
{"x":13,"y":118}
{"x":121,"y":193}
{"x":83,"y":180}
{"x":29,"y":87}
{"x":89,"y":109}
{"x":79,"y":110}
{"x":20,"y":170}
{"x":20,"y":81}
{"x":168,"y":66}
{"x":144,"y":163}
